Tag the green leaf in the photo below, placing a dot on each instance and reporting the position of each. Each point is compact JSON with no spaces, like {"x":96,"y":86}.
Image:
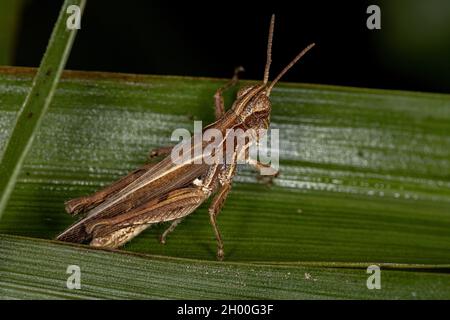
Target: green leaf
{"x":364,"y":179}
{"x":37,"y":269}
{"x":36,"y":103}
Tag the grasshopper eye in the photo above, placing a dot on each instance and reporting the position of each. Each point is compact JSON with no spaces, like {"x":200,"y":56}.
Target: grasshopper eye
{"x":244,"y":90}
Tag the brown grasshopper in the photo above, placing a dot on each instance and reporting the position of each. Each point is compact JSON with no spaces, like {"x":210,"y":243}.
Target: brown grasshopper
{"x":165,"y":191}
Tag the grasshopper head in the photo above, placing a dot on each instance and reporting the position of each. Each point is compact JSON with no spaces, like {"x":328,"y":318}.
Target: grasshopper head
{"x":253,"y":105}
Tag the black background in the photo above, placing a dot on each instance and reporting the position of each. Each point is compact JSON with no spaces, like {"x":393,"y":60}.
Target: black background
{"x":167,"y":309}
{"x":196,"y":38}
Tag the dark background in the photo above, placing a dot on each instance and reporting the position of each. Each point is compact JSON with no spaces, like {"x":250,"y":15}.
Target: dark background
{"x":411,"y":51}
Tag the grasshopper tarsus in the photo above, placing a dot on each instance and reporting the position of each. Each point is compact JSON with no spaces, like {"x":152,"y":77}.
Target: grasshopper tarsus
{"x":237,"y":71}
{"x":266,"y":181}
{"x":220,"y":254}
{"x":270,"y":173}
{"x":174,"y":224}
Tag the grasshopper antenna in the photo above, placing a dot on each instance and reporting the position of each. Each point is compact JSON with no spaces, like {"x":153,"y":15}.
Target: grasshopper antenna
{"x":269,"y":50}
{"x":283,"y":72}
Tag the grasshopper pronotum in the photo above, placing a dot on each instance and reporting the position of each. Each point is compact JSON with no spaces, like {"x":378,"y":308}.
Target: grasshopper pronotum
{"x":166,"y":191}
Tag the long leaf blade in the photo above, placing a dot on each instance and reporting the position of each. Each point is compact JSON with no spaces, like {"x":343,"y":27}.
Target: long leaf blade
{"x":36,"y":103}
{"x":364,"y":173}
{"x":33,"y":269}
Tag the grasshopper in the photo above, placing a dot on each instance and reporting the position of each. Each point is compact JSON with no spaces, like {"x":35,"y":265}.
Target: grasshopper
{"x":168,"y":192}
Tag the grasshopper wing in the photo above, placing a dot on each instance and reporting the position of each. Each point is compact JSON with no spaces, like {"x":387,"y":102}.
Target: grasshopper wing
{"x":112,"y":232}
{"x":138,"y":188}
